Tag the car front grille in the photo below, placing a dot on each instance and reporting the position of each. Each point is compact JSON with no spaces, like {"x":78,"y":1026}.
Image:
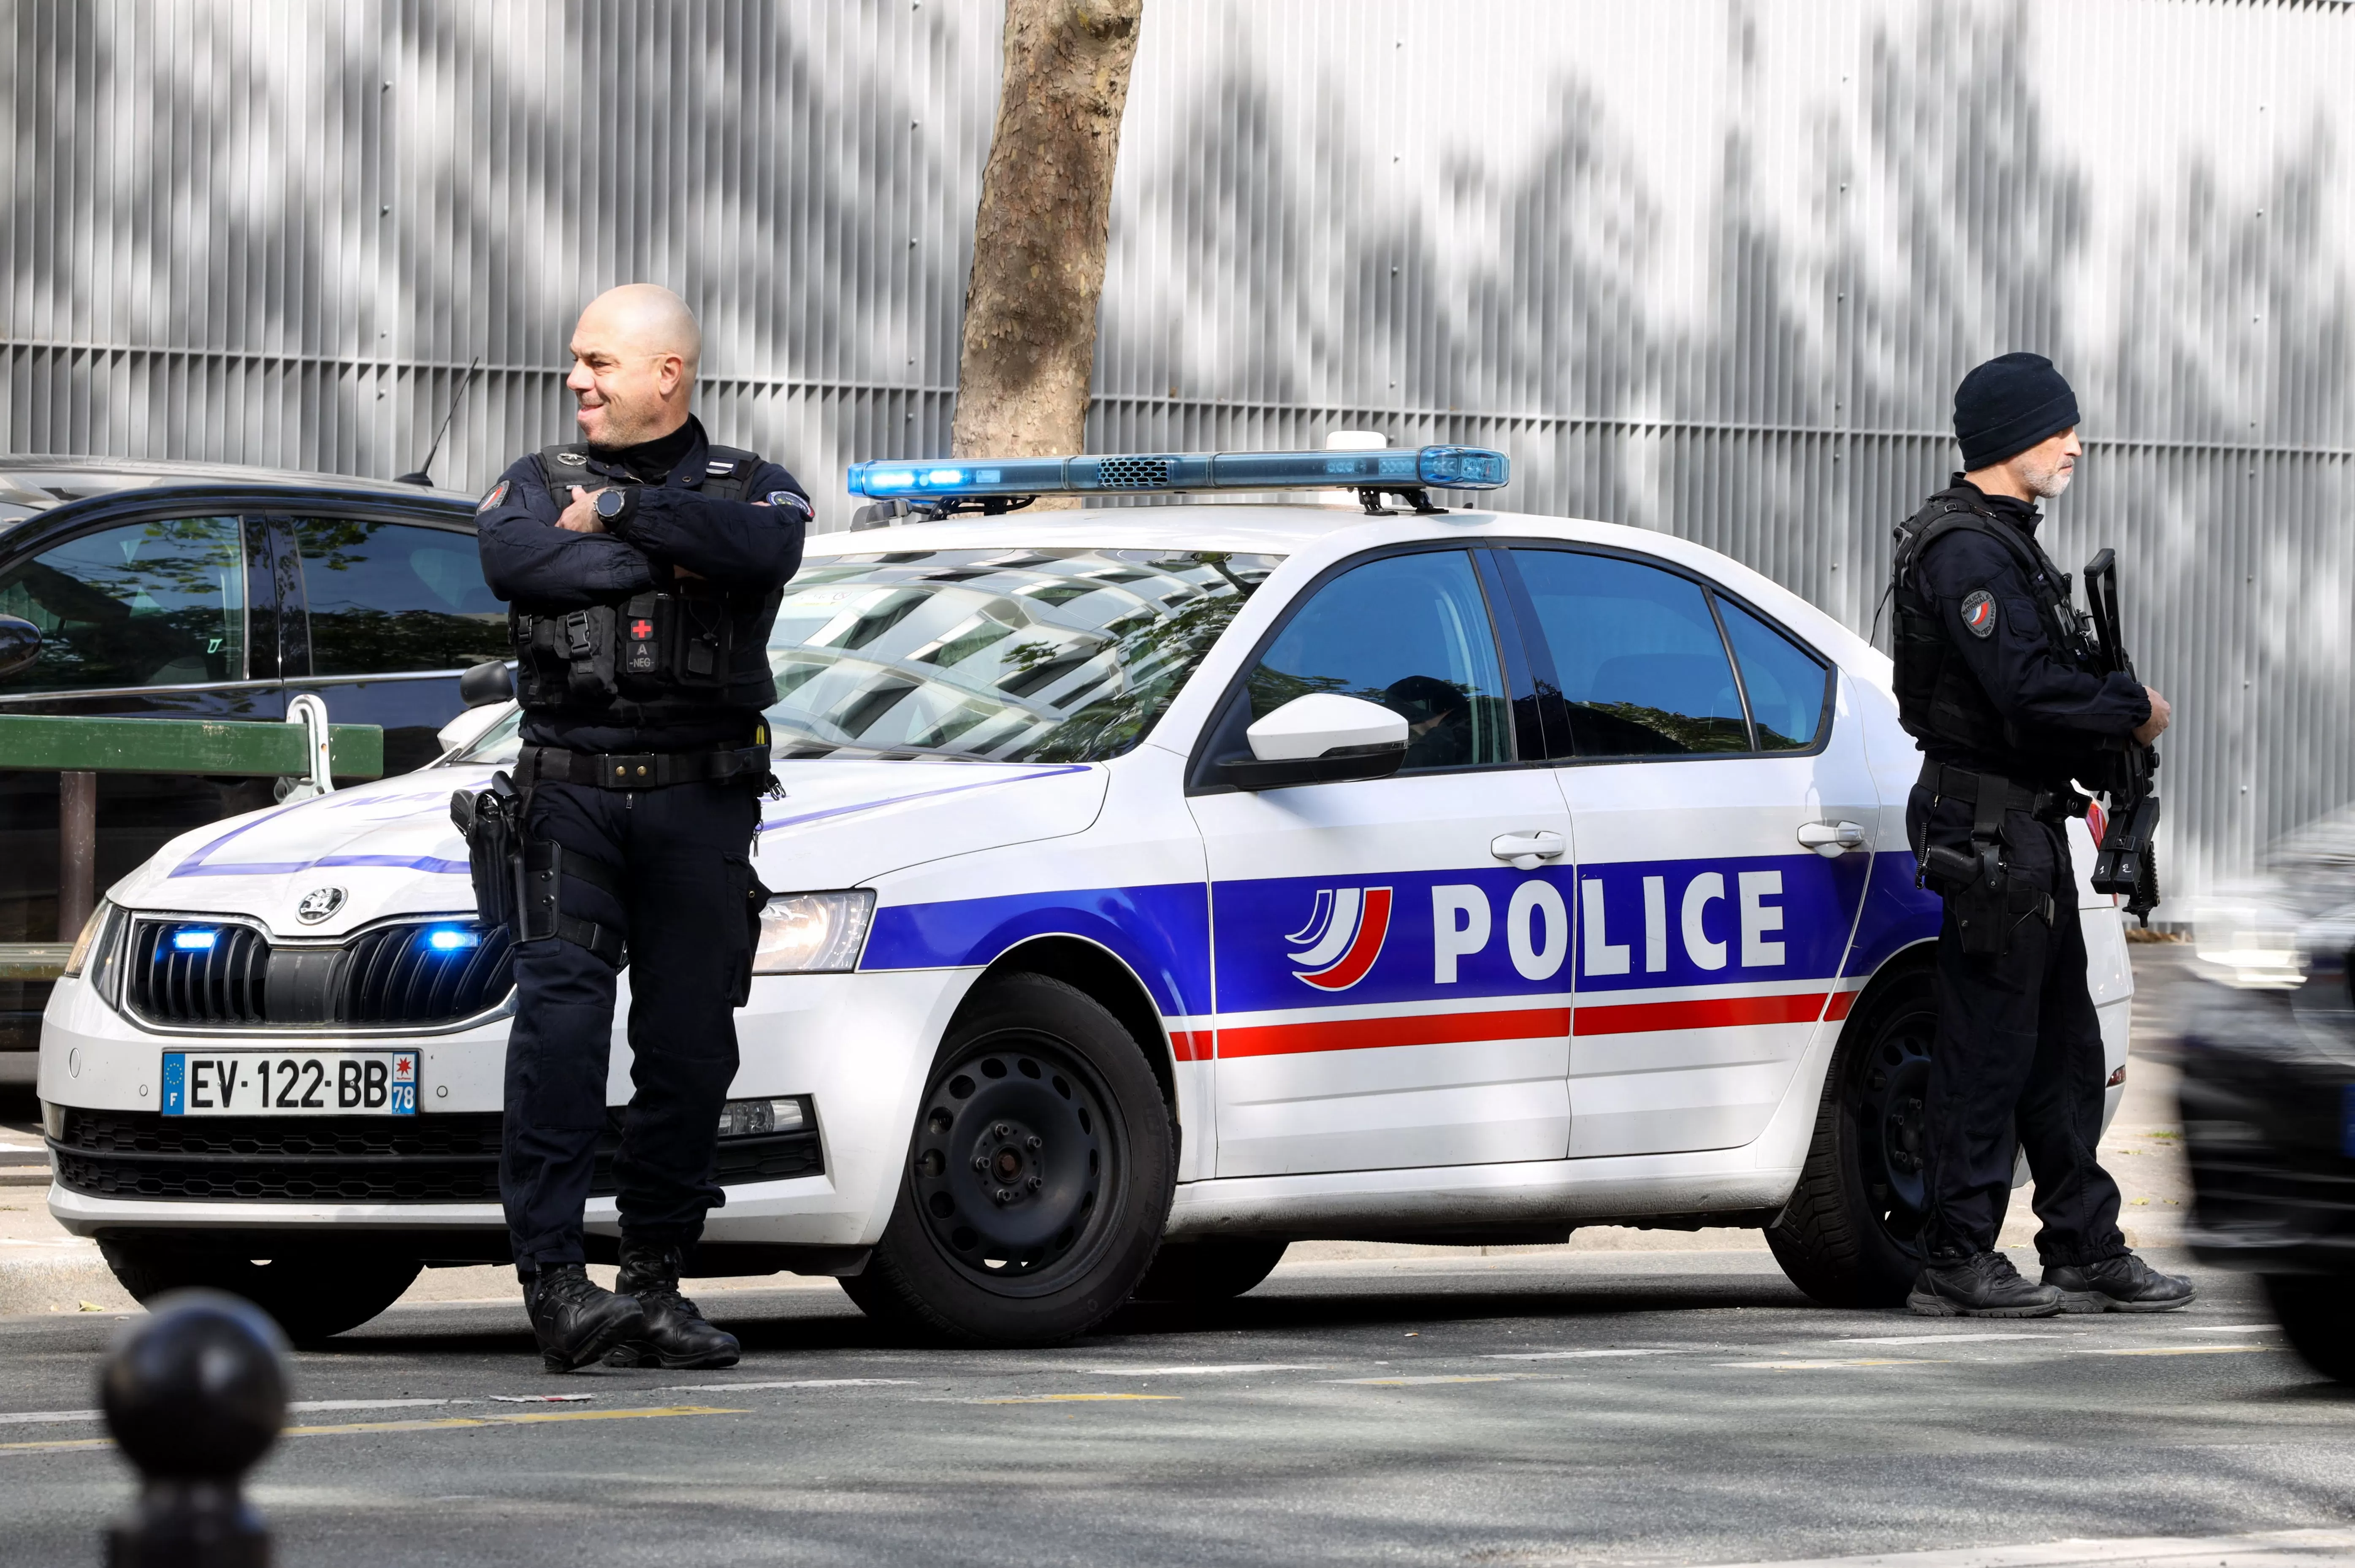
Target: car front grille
{"x":190,"y":973}
{"x":449,"y":1159}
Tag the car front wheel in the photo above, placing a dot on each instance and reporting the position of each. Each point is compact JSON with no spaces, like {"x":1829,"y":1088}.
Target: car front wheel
{"x":313,"y":1292}
{"x":2318,"y":1314}
{"x":1037,"y":1181}
{"x":1850,"y":1236}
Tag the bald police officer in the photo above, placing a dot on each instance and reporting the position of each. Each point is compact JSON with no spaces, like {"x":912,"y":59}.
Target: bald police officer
{"x":643,"y":567}
{"x":1995,"y":682}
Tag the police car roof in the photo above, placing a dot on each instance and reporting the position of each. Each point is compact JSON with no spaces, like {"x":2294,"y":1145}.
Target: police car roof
{"x":1324,"y":533}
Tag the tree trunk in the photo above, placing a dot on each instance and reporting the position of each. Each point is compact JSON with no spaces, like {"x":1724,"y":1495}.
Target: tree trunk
{"x":1039,"y":240}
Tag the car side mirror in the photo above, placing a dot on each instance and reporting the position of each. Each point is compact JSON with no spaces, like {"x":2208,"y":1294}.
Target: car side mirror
{"x":488,"y":682}
{"x":1322,"y":738}
{"x":20,"y":644}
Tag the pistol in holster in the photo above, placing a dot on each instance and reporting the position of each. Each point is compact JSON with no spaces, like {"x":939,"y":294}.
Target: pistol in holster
{"x":519,"y":879}
{"x":1988,"y":897}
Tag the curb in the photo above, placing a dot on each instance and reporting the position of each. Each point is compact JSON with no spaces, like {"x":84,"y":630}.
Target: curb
{"x":60,"y":1283}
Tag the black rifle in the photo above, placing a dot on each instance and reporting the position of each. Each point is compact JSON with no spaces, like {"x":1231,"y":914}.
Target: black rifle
{"x":2126,"y":862}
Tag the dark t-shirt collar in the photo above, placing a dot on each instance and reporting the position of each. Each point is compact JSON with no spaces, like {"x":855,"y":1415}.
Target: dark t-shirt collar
{"x":660,"y":460}
{"x":2010,"y":508}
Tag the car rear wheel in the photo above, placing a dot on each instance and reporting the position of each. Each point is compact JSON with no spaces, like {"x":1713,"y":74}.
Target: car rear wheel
{"x":1037,"y":1181}
{"x":1850,"y":1236}
{"x":1218,"y":1269}
{"x":2318,"y":1314}
{"x":313,"y":1292}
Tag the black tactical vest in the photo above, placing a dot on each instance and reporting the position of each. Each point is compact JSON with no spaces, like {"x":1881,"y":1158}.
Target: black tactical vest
{"x":1939,"y":700}
{"x":645,"y":658}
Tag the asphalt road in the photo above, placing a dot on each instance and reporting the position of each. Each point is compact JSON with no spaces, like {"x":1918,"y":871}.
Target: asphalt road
{"x":1558,"y":1407}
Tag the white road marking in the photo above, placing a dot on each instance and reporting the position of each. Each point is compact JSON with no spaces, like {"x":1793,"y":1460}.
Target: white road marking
{"x":371,"y":1403}
{"x":2234,"y":1329}
{"x":542,"y":1398}
{"x":2178,"y":1350}
{"x":1567,"y":1355}
{"x":1419,"y":1381}
{"x":39,"y":1417}
{"x":2269,"y":1549}
{"x":1208,"y":1371}
{"x":796,"y":1382}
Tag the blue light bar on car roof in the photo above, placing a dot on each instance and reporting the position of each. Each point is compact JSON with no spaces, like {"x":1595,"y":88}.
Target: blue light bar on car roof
{"x":1394,"y":468}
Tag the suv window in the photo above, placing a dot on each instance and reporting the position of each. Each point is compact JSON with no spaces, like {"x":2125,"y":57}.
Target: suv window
{"x":154,"y":603}
{"x":1788,"y":685}
{"x":1642,"y":667}
{"x":396,"y":596}
{"x":1411,"y":633}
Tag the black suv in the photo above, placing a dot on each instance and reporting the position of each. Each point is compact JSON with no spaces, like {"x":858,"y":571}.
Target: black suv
{"x":2268,"y":1088}
{"x":188,"y":591}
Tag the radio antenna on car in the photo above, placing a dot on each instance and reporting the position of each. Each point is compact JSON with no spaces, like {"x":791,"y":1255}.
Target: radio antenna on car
{"x":424,"y":471}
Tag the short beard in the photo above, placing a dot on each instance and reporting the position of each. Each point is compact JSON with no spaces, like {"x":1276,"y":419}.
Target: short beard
{"x":2048,"y":485}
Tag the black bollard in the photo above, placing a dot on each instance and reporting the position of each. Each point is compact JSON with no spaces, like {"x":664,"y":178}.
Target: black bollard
{"x":194,"y":1395}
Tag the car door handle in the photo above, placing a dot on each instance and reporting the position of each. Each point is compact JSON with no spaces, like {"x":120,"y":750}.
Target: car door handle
{"x":1528,"y":851}
{"x":1832,"y":839}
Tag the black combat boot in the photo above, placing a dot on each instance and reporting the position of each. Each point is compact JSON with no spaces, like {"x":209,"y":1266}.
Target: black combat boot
{"x":2122,"y":1284}
{"x":1983,"y":1285}
{"x":577,"y":1319}
{"x":675,"y":1334}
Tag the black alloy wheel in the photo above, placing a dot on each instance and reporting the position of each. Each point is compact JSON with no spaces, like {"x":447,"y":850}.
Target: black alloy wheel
{"x":1887,"y":1090}
{"x":1011,"y":1155}
{"x":1039,"y":1177}
{"x":1850,"y":1235}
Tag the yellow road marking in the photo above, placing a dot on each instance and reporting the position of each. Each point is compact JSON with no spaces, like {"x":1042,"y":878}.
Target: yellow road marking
{"x":2188,"y":1351}
{"x":1069,"y":1398}
{"x":436,"y":1423}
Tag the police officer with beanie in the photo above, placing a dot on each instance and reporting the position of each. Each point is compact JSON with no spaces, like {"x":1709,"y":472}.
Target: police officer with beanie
{"x":643,"y":567}
{"x":1995,"y":682}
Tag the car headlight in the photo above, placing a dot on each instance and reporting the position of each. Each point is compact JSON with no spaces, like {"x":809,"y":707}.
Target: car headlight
{"x":812,"y":933}
{"x":90,"y":929}
{"x":2250,"y":944}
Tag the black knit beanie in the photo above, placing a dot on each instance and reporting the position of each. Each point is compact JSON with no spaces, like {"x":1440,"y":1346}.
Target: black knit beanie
{"x":2008,"y":405}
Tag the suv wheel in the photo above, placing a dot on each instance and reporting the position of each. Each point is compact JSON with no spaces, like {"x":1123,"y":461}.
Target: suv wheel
{"x":2318,"y":1314}
{"x":312,"y":1293}
{"x":1037,"y":1181}
{"x":1850,"y":1235}
{"x":1213,"y":1270}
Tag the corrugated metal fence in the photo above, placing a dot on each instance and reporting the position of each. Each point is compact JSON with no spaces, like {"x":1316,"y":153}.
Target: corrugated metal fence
{"x":1708,"y":266}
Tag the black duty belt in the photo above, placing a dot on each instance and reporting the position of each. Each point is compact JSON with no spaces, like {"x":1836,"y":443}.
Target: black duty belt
{"x":1960,"y":783}
{"x":637,"y":770}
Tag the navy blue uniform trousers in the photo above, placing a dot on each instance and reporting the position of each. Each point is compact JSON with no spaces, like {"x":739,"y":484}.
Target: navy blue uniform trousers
{"x":2017,"y":1064}
{"x":687,"y":911}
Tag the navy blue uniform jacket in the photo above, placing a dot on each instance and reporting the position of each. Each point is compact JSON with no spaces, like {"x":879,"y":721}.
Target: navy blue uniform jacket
{"x":2006,"y":645}
{"x":752,"y":546}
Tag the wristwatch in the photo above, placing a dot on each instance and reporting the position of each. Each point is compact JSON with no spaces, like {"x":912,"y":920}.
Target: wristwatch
{"x":618,"y":504}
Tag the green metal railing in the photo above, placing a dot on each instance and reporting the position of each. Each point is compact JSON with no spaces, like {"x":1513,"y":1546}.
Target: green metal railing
{"x":78,"y":749}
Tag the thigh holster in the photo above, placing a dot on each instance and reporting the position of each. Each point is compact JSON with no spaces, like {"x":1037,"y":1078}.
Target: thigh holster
{"x":519,"y":879}
{"x":1987,"y":897}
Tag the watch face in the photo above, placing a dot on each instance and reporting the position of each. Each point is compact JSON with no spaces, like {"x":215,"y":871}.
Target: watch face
{"x":609,"y":505}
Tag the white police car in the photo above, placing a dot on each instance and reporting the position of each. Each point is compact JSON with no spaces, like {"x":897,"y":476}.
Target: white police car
{"x":1180,"y":878}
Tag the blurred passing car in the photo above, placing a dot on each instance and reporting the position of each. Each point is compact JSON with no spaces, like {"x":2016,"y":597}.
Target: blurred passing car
{"x":196,"y":591}
{"x":2269,"y":1088}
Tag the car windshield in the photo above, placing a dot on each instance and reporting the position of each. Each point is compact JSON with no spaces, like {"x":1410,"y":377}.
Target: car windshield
{"x":1004,"y":655}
